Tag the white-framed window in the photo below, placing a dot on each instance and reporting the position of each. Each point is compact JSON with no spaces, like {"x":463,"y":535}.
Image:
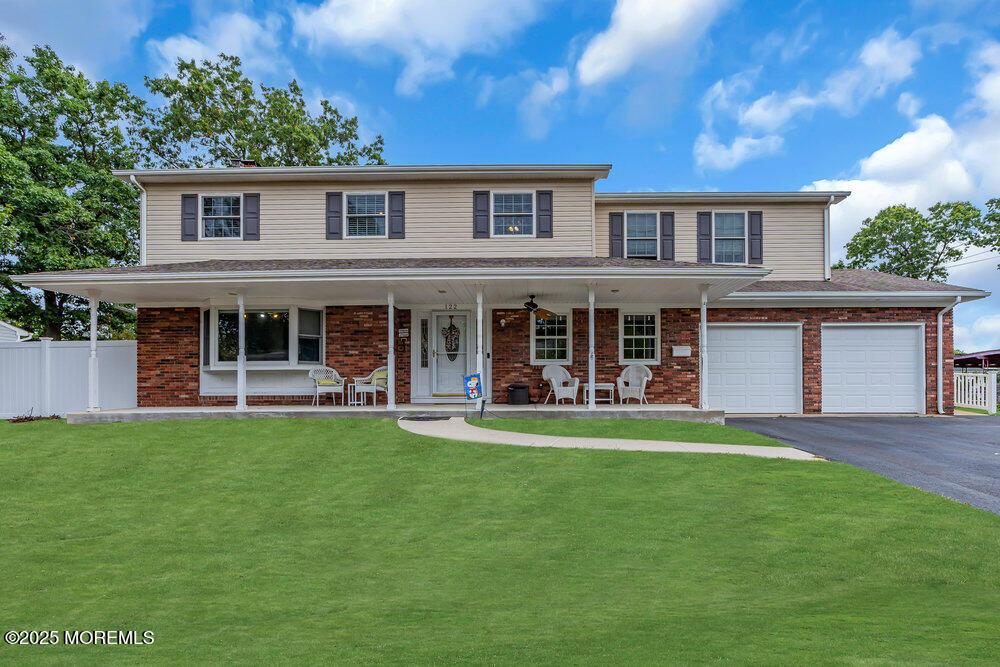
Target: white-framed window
{"x":365,"y":214}
{"x":638,"y":337}
{"x":729,"y":237}
{"x":552,"y":340}
{"x":276,"y":337}
{"x":220,"y":216}
{"x":642,"y":239}
{"x":512,"y":214}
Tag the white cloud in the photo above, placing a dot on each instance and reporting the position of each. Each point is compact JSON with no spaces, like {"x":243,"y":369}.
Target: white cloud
{"x":709,"y":153}
{"x":773,"y":111}
{"x":539,"y":107}
{"x":646,"y":33}
{"x":91,"y":35}
{"x":429,"y":35}
{"x":983,"y":333}
{"x":909,"y":105}
{"x":256,"y":42}
{"x":790,"y":46}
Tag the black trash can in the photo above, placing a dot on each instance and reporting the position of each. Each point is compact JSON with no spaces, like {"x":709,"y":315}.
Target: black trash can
{"x":517,"y":394}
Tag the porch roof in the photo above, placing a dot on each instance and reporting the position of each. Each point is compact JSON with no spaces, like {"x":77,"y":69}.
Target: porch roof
{"x":413,"y":280}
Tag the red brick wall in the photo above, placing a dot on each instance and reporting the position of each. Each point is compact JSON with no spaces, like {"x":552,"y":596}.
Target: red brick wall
{"x":167,"y":357}
{"x":675,"y":380}
{"x":812,"y":318}
{"x":168,"y":349}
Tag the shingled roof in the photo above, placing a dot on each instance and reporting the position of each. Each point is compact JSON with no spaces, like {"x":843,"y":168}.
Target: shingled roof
{"x":855,"y":280}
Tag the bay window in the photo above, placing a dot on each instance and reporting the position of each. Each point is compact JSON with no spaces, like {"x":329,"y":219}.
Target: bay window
{"x":275,"y":337}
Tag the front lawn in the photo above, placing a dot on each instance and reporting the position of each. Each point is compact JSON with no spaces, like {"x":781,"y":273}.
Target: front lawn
{"x":632,"y":429}
{"x":273,"y":541}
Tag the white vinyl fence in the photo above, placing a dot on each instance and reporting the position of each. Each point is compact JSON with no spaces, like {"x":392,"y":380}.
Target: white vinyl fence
{"x":976,"y":388}
{"x":50,"y":377}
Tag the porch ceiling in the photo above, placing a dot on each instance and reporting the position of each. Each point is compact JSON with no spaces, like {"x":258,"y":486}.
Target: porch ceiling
{"x":680,"y":287}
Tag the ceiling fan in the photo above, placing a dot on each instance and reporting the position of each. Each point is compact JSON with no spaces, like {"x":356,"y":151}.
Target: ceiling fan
{"x":539,"y":312}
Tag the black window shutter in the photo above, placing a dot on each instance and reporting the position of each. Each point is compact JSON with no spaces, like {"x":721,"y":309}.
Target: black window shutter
{"x":616,"y":230}
{"x":704,"y":237}
{"x":189,"y":217}
{"x":251,"y":217}
{"x":397,"y":215}
{"x":481,"y":214}
{"x":756,"y":237}
{"x":543,"y":213}
{"x":334,"y":215}
{"x":666,"y":235}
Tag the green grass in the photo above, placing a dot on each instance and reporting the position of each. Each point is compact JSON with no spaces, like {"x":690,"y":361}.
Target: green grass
{"x":975,"y":411}
{"x":270,"y":541}
{"x":632,"y":429}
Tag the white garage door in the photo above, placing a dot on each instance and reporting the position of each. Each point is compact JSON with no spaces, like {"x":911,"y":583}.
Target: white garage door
{"x":873,"y":368}
{"x":754,"y":368}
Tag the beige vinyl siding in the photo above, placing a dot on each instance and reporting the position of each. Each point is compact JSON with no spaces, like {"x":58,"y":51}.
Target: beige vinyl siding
{"x":438,"y":222}
{"x":793,"y":235}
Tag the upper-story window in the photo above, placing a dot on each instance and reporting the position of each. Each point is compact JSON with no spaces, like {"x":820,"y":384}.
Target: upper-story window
{"x":513,"y":214}
{"x":641,"y":235}
{"x":221,"y":216}
{"x":729,"y":237}
{"x":365,"y":214}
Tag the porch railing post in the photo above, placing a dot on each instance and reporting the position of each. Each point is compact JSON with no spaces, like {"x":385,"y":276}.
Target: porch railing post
{"x":703,"y":350}
{"x":241,"y":353}
{"x":591,"y":359}
{"x":479,"y":345}
{"x":390,"y":390}
{"x":93,"y":397}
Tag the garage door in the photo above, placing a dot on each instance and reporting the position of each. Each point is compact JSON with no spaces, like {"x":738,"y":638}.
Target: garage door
{"x":873,"y":368}
{"x":754,"y":368}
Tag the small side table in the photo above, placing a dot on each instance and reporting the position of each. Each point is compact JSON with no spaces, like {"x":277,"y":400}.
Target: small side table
{"x":599,"y":387}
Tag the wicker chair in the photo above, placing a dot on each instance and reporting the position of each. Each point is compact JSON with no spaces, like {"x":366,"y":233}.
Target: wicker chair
{"x":632,"y":383}
{"x":561,"y":383}
{"x":327,"y":381}
{"x":374,"y":382}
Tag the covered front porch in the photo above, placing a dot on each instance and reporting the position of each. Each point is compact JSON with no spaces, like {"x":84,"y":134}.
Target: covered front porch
{"x":224,"y":337}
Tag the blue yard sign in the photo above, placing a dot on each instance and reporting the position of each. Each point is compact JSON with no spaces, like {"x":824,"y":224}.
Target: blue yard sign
{"x":473,"y":387}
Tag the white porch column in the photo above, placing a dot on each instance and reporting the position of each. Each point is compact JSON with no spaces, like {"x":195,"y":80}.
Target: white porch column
{"x":702,"y":350}
{"x":93,"y":399}
{"x":241,"y":354}
{"x":479,"y":345}
{"x":390,"y":389}
{"x":591,"y":358}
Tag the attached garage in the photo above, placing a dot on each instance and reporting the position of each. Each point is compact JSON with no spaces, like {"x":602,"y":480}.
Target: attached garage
{"x":873,"y":368}
{"x":755,"y":368}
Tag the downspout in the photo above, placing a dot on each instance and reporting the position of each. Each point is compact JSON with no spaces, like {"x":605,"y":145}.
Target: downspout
{"x":940,"y":353}
{"x":142,"y":219}
{"x":826,"y":239}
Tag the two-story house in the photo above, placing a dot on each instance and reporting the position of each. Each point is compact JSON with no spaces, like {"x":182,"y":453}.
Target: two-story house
{"x":250,"y":277}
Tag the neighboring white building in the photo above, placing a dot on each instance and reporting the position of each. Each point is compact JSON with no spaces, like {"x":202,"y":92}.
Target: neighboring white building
{"x":11,"y":334}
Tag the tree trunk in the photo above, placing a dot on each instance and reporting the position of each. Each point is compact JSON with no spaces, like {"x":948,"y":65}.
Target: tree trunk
{"x":52,"y":315}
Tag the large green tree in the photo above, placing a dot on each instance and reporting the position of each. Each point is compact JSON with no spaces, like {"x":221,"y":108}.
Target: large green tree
{"x":60,"y":208}
{"x":213,"y":113}
{"x":903,"y":241}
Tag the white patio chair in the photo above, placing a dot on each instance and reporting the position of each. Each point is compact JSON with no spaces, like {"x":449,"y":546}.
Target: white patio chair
{"x":374,"y":382}
{"x":327,"y":381}
{"x":561,"y":383}
{"x":632,"y":383}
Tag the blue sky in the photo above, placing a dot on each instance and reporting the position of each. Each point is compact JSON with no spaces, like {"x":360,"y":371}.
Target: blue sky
{"x":896,"y":101}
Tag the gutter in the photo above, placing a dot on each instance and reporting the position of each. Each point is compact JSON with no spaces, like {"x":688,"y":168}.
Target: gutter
{"x":940,"y":353}
{"x":142,"y":219}
{"x":826,"y":238}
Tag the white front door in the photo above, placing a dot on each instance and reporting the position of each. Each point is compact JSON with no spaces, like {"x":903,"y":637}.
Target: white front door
{"x":449,"y":353}
{"x":754,"y":368}
{"x":873,"y":368}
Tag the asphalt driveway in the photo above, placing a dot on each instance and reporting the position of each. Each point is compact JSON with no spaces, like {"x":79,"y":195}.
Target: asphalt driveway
{"x":957,"y":457}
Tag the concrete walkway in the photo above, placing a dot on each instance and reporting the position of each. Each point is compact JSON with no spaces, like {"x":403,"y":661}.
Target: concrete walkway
{"x":456,"y":428}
